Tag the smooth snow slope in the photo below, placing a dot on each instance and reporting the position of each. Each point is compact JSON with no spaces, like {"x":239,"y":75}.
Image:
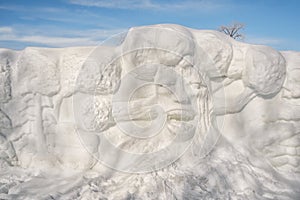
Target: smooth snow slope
{"x":159,"y":112}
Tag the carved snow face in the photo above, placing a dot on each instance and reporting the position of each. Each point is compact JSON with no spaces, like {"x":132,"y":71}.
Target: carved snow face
{"x":153,"y":107}
{"x":153,"y":103}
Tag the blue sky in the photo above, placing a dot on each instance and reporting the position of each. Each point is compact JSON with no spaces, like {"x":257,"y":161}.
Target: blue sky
{"x":61,"y":23}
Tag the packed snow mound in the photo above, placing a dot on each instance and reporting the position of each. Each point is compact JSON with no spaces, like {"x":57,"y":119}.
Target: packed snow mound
{"x":161,"y":112}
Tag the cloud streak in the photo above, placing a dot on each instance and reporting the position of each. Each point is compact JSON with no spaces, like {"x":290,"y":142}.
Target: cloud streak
{"x":5,"y":30}
{"x":265,"y":40}
{"x":151,"y":5}
{"x":32,"y":9}
{"x":90,"y":37}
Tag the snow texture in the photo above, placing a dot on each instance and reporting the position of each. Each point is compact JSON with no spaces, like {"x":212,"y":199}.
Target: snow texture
{"x":161,"y":112}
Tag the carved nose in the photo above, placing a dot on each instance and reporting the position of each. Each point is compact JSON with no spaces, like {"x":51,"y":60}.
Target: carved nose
{"x":168,"y":78}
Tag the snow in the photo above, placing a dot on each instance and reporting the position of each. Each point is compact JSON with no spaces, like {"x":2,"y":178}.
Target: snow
{"x":166,"y":112}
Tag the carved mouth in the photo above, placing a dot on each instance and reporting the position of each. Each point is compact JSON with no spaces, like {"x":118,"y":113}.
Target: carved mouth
{"x":180,"y":115}
{"x":180,"y":124}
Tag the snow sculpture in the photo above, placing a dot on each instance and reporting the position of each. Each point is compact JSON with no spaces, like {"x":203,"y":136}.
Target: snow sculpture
{"x":190,"y":114}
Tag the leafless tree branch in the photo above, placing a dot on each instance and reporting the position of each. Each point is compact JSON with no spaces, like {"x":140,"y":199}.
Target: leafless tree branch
{"x":233,"y":30}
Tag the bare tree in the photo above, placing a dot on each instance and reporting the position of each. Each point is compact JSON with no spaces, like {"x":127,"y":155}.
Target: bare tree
{"x":233,"y":31}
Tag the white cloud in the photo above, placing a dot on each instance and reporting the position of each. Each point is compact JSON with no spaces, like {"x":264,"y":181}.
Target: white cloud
{"x":5,"y":30}
{"x":57,"y":41}
{"x":150,"y":4}
{"x":122,"y":4}
{"x":264,"y":40}
{"x":75,"y":38}
{"x":49,"y":41}
{"x":31,"y":9}
{"x":11,"y":7}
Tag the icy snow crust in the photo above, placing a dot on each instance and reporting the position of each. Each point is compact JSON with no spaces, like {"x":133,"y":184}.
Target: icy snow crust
{"x":159,"y":112}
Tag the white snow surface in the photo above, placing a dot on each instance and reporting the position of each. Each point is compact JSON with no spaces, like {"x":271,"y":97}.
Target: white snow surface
{"x":161,"y":112}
